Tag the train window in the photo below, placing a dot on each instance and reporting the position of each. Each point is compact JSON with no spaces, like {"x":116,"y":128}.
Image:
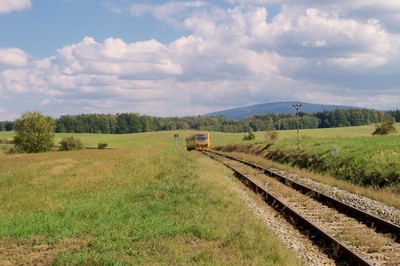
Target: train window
{"x":202,"y":137}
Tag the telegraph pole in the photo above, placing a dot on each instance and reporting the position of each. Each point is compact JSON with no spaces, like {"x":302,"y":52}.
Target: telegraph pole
{"x":297,"y":107}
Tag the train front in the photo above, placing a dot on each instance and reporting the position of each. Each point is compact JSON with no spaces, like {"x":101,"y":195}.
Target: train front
{"x":202,"y":142}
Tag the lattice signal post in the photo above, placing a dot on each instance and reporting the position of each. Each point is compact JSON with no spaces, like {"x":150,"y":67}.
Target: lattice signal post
{"x":297,"y":107}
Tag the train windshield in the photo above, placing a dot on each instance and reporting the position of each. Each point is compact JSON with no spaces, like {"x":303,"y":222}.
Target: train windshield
{"x":202,"y":137}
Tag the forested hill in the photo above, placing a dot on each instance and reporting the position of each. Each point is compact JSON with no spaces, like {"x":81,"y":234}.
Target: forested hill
{"x":132,"y":122}
{"x":277,"y":108}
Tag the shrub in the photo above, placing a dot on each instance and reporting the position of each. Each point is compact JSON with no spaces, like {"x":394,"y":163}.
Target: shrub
{"x":70,"y":143}
{"x":385,"y":128}
{"x":272,"y":135}
{"x":102,"y":146}
{"x":250,"y":136}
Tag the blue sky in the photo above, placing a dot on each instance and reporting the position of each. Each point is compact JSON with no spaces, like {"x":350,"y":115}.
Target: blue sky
{"x":179,"y":58}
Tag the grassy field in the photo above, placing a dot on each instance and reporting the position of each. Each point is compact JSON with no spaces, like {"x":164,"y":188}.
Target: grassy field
{"x":146,"y":202}
{"x":137,"y":140}
{"x":218,"y":138}
{"x":321,"y":133}
{"x":359,"y":157}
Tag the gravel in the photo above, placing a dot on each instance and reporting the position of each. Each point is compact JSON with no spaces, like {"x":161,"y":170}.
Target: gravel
{"x":290,"y":236}
{"x":374,"y":207}
{"x":303,"y":247}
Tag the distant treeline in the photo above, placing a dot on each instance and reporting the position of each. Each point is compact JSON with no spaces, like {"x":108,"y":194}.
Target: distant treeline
{"x":6,"y":125}
{"x":326,"y":119}
{"x":134,"y":123}
{"x":395,"y":114}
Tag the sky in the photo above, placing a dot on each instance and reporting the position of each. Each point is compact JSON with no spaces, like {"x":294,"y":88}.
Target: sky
{"x":185,"y":58}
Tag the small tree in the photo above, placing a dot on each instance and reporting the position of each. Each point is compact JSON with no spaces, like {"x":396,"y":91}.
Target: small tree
{"x":34,"y":132}
{"x":250,"y":136}
{"x":70,"y":143}
{"x":385,"y":128}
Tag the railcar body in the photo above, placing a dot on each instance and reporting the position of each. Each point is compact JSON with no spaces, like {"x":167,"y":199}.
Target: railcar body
{"x":199,"y":142}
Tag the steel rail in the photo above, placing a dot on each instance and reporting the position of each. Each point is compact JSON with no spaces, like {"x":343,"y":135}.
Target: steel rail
{"x":337,"y":250}
{"x":379,"y":224}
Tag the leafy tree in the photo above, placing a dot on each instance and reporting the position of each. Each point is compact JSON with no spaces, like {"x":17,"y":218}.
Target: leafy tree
{"x":308,"y":121}
{"x":122,"y":124}
{"x":34,"y":132}
{"x":385,"y":128}
{"x":71,"y":143}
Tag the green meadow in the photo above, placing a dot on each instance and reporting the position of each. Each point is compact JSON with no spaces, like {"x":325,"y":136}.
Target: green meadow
{"x":145,"y":201}
{"x":350,"y":154}
{"x":147,"y":139}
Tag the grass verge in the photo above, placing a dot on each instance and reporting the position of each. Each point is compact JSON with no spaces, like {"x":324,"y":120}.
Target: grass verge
{"x":142,"y":206}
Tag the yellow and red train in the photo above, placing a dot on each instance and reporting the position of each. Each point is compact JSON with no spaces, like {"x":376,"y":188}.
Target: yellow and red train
{"x":199,"y":142}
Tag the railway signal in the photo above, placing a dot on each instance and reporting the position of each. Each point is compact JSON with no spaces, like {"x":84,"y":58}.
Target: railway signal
{"x":297,"y":107}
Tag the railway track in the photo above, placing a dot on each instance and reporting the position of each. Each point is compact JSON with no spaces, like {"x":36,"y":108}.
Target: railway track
{"x":348,"y":235}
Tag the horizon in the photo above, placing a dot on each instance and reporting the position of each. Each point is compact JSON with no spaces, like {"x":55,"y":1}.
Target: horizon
{"x":212,"y":113}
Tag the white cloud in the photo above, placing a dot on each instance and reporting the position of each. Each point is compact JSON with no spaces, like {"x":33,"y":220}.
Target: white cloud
{"x":7,"y":6}
{"x":115,"y":57}
{"x":346,"y":42}
{"x":14,"y":80}
{"x":13,"y":57}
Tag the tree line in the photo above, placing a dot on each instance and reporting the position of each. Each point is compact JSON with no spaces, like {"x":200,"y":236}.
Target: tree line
{"x":6,"y":125}
{"x":134,"y":123}
{"x":395,"y":114}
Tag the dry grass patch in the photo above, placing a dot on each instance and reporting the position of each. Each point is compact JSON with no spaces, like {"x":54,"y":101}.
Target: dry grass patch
{"x":62,"y":166}
{"x":36,"y":252}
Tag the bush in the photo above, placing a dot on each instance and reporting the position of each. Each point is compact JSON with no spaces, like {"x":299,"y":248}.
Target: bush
{"x":272,"y":135}
{"x":102,"y":146}
{"x":250,"y":136}
{"x":70,"y":143}
{"x":385,"y":128}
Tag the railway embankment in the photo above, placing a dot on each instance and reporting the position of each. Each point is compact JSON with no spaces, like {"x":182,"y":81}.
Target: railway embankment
{"x":372,"y":163}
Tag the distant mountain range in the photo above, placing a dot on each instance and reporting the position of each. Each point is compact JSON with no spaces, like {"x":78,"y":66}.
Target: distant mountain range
{"x":277,"y":108}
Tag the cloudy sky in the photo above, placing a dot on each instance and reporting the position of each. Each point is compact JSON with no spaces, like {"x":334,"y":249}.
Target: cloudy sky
{"x":179,"y":58}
